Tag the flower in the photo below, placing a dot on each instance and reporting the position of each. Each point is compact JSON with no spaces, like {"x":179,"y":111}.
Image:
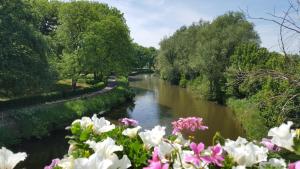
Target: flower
{"x":153,"y":137}
{"x":268,"y":144}
{"x":239,"y":167}
{"x":179,"y":163}
{"x":245,"y":153}
{"x":155,"y":163}
{"x":165,"y":149}
{"x":53,"y":164}
{"x":8,"y":160}
{"x":295,"y":165}
{"x":215,"y":156}
{"x":195,"y":158}
{"x":131,"y":132}
{"x":180,"y":140}
{"x":273,"y":162}
{"x":101,"y":125}
{"x":189,"y":123}
{"x":84,"y":122}
{"x":282,"y":136}
{"x":104,"y":156}
{"x":129,"y":122}
{"x":105,"y":148}
{"x":66,"y":163}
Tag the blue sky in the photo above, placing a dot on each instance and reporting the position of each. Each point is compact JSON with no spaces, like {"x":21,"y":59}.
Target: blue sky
{"x":150,"y":20}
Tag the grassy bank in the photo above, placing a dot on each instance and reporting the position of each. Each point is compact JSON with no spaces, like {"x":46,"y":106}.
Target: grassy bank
{"x":39,"y":121}
{"x":249,"y":116}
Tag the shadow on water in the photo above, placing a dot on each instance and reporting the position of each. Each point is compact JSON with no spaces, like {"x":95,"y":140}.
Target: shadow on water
{"x":41,"y":152}
{"x":156,"y":103}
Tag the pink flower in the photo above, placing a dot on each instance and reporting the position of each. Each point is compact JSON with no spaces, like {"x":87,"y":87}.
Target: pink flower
{"x":216,"y":156}
{"x":129,"y":122}
{"x":196,"y":158}
{"x":53,"y":164}
{"x":155,"y":163}
{"x":295,"y":165}
{"x":189,"y":123}
{"x":269,"y":145}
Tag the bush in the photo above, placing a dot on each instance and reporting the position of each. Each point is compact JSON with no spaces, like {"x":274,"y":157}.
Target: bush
{"x":47,"y":97}
{"x":39,"y":121}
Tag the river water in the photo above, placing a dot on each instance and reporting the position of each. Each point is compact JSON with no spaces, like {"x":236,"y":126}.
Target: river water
{"x":156,"y":103}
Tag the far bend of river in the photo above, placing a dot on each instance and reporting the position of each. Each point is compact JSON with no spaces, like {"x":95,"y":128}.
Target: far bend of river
{"x":156,"y":103}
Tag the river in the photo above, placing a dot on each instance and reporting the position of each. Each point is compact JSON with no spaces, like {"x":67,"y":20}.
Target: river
{"x":156,"y":103}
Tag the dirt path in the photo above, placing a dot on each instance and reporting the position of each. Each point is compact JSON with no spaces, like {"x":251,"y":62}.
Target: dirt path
{"x":111,"y":84}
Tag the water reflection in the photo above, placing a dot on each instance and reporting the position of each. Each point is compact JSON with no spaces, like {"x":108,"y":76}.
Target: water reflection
{"x":158,"y":102}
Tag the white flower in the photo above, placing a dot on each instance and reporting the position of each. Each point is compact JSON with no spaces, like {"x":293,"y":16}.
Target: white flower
{"x":165,"y":149}
{"x":66,"y":163}
{"x":131,"y":132}
{"x":104,"y":156}
{"x":8,"y":160}
{"x":273,"y":162}
{"x":180,"y":140}
{"x":105,"y":148}
{"x":101,"y":125}
{"x":282,"y":136}
{"x":84,"y":122}
{"x":245,"y":153}
{"x":121,"y":164}
{"x":153,"y":137}
{"x":239,"y":167}
{"x":93,"y":162}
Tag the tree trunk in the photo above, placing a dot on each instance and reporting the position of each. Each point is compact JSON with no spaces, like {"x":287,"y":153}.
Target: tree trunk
{"x":74,"y":84}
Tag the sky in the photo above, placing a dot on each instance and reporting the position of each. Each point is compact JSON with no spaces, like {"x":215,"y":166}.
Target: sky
{"x":150,"y":21}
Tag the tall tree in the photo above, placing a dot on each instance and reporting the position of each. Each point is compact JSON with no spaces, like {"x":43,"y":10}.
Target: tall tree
{"x":23,"y":50}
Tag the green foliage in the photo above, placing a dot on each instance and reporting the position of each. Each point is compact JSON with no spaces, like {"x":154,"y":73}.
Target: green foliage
{"x":48,"y":97}
{"x":38,"y":121}
{"x":144,"y":57}
{"x":249,"y":116}
{"x":204,"y":50}
{"x":132,"y":147}
{"x":23,"y":50}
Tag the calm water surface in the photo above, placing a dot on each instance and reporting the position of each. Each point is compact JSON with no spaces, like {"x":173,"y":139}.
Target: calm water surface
{"x":156,"y":103}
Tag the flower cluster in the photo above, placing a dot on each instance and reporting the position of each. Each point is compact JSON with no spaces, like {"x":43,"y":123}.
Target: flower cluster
{"x":98,"y":144}
{"x":189,"y":124}
{"x":129,"y":122}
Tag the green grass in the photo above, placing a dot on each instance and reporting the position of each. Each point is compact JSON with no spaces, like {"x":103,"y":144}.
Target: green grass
{"x":249,"y":116}
{"x":39,"y":121}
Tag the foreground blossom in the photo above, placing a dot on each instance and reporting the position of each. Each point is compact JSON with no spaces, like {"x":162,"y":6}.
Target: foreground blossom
{"x":101,"y":125}
{"x":273,"y":162}
{"x":196,"y":157}
{"x":269,"y":145}
{"x":295,"y":165}
{"x":245,"y":153}
{"x":189,"y":124}
{"x":283,"y":136}
{"x":84,"y":122}
{"x":155,"y":162}
{"x":104,"y":156}
{"x":8,"y":160}
{"x":216,"y":156}
{"x":153,"y":137}
{"x":131,"y":132}
{"x":129,"y":122}
{"x":53,"y":164}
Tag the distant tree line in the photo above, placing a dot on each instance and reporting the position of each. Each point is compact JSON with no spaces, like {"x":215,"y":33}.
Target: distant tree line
{"x":223,"y":59}
{"x":42,"y":41}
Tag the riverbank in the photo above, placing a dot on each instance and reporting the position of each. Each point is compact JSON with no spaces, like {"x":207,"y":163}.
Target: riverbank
{"x":38,"y":121}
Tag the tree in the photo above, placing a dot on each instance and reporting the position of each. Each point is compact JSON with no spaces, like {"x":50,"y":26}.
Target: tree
{"x":23,"y":50}
{"x":106,"y":47}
